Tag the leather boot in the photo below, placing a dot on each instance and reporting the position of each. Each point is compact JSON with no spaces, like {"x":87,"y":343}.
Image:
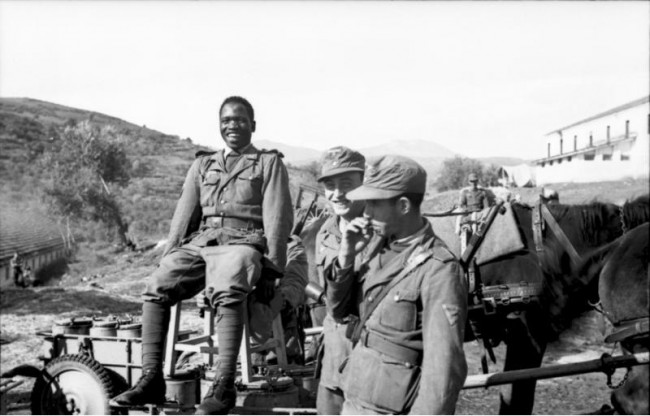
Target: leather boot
{"x":150,"y":389}
{"x":220,"y":399}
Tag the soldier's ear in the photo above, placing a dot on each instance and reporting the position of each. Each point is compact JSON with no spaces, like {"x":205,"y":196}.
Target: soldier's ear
{"x":404,"y":205}
{"x":253,"y":126}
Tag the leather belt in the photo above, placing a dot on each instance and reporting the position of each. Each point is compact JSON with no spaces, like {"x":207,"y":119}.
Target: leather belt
{"x":231,"y":222}
{"x":408,"y":356}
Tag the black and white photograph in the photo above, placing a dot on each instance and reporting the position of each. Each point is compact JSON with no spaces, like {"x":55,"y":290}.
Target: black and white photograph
{"x":324,"y":207}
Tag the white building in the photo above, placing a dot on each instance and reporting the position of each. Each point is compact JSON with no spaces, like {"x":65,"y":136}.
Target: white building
{"x":609,"y":146}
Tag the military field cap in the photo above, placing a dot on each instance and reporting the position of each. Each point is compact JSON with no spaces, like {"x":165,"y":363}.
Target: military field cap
{"x":390,"y":176}
{"x":472,"y":177}
{"x":341,"y":159}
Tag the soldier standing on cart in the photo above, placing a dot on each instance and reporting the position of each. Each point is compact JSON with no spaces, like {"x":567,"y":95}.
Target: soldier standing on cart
{"x":408,"y":355}
{"x":229,"y":233}
{"x":341,"y":172}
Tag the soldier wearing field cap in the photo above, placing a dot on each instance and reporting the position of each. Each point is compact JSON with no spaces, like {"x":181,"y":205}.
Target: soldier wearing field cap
{"x":341,"y":172}
{"x":473,"y":198}
{"x":408,"y":354}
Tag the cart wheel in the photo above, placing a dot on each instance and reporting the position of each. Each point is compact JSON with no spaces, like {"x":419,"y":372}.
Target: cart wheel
{"x":72,"y":385}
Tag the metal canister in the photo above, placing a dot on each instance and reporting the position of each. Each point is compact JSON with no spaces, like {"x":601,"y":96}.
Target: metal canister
{"x":59,"y":326}
{"x":78,"y":326}
{"x":104,"y":327}
{"x":183,"y":388}
{"x":129,"y":331}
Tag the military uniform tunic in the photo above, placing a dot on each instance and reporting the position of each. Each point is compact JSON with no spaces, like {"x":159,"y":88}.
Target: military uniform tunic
{"x":473,"y":199}
{"x":415,"y":333}
{"x":225,"y":221}
{"x":336,"y":346}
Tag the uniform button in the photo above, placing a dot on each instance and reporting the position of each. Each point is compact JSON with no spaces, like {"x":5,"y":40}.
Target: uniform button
{"x":221,"y":213}
{"x":369,"y":298}
{"x":222,"y":202}
{"x":396,"y":298}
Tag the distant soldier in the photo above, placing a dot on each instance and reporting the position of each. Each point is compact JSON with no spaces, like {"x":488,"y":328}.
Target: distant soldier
{"x":550,"y":196}
{"x":228,"y":235}
{"x":28,"y":278}
{"x":473,"y":199}
{"x":408,"y":355}
{"x":17,"y":269}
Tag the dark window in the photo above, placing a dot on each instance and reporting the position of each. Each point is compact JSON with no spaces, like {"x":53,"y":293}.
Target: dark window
{"x":550,"y":163}
{"x":590,"y":156}
{"x":591,"y":139}
{"x":607,"y":156}
{"x":561,"y":145}
{"x":625,"y":157}
{"x":608,"y":134}
{"x":543,"y":164}
{"x":627,"y":128}
{"x":575,"y":143}
{"x":568,"y":159}
{"x":559,"y":161}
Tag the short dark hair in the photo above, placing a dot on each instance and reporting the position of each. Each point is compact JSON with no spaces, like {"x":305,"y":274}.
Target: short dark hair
{"x":239,"y":100}
{"x":415,"y":198}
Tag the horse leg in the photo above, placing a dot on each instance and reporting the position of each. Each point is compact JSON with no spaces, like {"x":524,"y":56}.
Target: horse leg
{"x":523,"y":351}
{"x":633,"y":396}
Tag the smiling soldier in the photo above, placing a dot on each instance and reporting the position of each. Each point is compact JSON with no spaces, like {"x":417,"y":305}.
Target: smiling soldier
{"x":341,"y":172}
{"x":229,"y":233}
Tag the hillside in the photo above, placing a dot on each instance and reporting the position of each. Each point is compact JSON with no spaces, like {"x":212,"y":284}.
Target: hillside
{"x":28,"y":127}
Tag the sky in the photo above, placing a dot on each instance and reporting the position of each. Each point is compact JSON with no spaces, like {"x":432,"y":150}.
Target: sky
{"x":480,"y":78}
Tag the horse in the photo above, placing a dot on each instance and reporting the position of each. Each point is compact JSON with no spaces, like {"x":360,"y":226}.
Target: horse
{"x":619,"y":275}
{"x":526,"y":319}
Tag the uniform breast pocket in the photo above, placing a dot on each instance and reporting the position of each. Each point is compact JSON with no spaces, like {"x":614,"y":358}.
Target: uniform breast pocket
{"x":211,"y":178}
{"x":249,"y":187}
{"x":400,"y":312}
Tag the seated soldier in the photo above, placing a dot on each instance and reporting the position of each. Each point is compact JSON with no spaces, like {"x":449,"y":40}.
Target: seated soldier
{"x":472,"y":199}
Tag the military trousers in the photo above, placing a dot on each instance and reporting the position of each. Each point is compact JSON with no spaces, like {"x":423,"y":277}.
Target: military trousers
{"x":227,"y":272}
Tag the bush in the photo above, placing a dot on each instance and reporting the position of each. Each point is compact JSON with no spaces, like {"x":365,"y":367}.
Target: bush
{"x":454,"y":173}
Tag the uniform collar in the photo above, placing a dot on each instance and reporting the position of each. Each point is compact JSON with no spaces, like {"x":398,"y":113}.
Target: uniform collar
{"x":228,"y":150}
{"x":403,"y":243}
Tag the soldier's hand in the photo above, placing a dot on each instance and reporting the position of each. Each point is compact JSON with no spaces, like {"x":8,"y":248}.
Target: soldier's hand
{"x":355,"y":238}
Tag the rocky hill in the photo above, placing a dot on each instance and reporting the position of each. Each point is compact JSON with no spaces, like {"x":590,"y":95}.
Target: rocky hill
{"x":28,"y":127}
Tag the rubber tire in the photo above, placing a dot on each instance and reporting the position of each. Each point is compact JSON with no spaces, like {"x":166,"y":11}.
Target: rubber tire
{"x":42,"y":401}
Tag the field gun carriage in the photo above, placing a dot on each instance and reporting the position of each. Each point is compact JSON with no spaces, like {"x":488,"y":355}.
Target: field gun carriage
{"x":83,"y":370}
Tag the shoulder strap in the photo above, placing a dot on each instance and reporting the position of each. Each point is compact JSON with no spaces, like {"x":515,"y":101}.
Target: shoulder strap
{"x":415,"y":260}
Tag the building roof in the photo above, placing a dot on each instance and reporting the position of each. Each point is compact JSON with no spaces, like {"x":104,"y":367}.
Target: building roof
{"x":26,"y":233}
{"x":614,"y":110}
{"x":613,"y":142}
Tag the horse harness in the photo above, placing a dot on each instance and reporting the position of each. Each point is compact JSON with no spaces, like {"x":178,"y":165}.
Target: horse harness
{"x":624,"y":330}
{"x":486,"y":300}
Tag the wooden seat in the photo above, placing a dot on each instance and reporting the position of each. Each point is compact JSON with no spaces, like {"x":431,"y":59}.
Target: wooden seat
{"x":207,"y":343}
